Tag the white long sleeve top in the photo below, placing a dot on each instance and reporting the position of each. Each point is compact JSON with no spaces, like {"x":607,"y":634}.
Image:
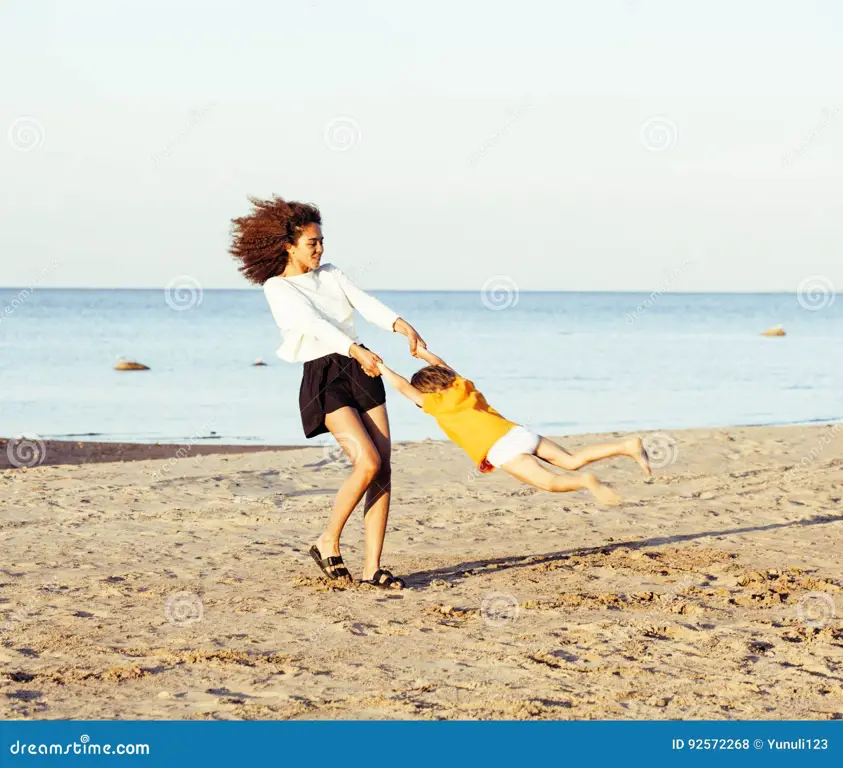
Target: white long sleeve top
{"x":315,"y":313}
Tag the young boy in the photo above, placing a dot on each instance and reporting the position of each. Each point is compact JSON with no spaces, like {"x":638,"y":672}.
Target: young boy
{"x":493,"y":441}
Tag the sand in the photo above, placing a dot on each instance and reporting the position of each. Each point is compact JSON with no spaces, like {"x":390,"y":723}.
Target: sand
{"x":182,"y":589}
{"x":29,"y":452}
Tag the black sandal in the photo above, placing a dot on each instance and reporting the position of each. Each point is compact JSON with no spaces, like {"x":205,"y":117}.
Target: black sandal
{"x":335,"y":563}
{"x":375,"y":581}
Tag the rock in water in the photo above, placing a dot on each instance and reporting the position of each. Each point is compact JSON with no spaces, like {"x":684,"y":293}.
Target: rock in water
{"x":129,"y":365}
{"x":775,"y":331}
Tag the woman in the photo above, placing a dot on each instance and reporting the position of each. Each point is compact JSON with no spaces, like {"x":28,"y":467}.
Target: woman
{"x":280,"y":246}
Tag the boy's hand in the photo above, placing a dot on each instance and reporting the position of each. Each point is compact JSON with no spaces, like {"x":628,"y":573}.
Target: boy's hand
{"x":416,"y":342}
{"x":368,"y":360}
{"x":402,"y":326}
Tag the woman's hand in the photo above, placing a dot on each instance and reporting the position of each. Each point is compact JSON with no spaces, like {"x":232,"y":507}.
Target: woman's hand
{"x":415,"y":341}
{"x":402,"y":326}
{"x":368,"y":360}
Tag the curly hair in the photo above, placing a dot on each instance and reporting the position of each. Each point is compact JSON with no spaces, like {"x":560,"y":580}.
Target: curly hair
{"x":432,"y":378}
{"x":260,"y":240}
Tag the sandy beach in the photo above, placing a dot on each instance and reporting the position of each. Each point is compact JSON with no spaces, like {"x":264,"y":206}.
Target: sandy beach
{"x":180,"y":588}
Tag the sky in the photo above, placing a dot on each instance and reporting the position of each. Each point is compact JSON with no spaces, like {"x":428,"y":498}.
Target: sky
{"x":606,"y":145}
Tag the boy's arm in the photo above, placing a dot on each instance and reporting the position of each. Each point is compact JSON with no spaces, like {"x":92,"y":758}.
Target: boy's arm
{"x":401,"y":384}
{"x":431,"y":359}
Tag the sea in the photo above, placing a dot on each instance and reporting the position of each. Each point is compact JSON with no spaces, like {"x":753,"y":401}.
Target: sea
{"x":561,"y":363}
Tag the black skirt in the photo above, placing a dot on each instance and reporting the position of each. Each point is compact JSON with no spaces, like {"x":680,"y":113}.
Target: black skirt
{"x":332,"y":382}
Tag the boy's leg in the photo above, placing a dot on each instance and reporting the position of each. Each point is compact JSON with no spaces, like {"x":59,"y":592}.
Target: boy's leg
{"x":559,"y":457}
{"x":528,"y":469}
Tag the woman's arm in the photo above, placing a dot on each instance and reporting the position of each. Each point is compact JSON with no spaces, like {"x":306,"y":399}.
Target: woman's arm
{"x":376,"y":312}
{"x":400,"y":384}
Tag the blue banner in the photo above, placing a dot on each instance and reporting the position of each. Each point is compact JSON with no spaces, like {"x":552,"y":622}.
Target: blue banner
{"x":346,"y":744}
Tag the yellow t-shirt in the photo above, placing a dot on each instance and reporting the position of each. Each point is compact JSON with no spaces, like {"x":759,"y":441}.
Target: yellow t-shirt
{"x":466,"y":418}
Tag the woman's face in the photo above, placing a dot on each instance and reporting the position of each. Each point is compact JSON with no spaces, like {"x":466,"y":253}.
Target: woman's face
{"x":307,"y":252}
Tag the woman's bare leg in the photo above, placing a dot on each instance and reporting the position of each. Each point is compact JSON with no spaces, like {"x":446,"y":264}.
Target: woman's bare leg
{"x":559,"y":457}
{"x":348,"y":430}
{"x":376,"y":508}
{"x":528,"y":469}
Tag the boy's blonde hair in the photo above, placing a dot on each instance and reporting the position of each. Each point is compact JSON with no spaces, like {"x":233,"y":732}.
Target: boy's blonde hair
{"x":433,"y":378}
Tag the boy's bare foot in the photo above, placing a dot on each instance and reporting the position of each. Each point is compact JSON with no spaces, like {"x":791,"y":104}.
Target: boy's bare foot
{"x":636,"y":450}
{"x":602,"y":492}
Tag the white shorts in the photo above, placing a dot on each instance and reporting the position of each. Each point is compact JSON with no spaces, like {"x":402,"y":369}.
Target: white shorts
{"x":515,"y":442}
